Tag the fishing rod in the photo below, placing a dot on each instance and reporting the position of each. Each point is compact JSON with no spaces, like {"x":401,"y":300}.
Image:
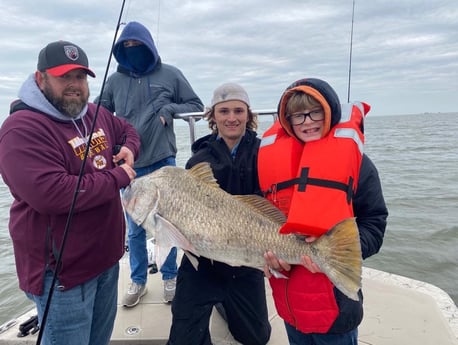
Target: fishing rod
{"x":351,"y":50}
{"x":77,"y":188}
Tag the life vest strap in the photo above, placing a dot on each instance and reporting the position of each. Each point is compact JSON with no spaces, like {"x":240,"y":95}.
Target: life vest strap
{"x":303,"y":180}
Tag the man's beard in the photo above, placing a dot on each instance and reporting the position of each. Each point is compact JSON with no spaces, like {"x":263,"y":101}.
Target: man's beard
{"x":71,"y":108}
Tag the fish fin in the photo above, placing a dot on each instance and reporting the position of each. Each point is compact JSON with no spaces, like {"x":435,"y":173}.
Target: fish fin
{"x":162,"y":252}
{"x":192,"y":259}
{"x":338,"y":254}
{"x":204,"y":172}
{"x":263,"y":206}
{"x":167,"y":234}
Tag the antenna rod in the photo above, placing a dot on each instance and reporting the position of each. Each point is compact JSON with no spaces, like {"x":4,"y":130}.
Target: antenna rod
{"x":351,"y":50}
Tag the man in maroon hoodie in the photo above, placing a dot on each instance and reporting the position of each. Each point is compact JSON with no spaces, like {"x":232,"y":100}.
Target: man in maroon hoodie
{"x":42,"y":147}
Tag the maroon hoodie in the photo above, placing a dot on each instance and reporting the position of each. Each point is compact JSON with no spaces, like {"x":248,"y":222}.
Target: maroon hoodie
{"x":40,"y":159}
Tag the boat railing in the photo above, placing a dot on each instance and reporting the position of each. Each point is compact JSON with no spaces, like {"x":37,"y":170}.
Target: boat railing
{"x":192,"y":118}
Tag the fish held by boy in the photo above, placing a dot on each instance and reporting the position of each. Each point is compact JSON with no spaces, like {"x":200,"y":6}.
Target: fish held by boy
{"x":187,"y":209}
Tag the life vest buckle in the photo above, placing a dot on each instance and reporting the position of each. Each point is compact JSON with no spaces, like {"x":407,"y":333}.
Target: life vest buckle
{"x":273,"y":191}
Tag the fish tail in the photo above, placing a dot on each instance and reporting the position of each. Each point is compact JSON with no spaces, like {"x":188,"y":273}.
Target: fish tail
{"x":343,"y":260}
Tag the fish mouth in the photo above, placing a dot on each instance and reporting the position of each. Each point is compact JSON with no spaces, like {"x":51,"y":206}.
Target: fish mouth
{"x":135,"y":204}
{"x":127,"y":199}
{"x":129,"y":202}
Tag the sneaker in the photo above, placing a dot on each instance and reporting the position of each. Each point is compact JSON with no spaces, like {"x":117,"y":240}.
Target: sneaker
{"x":153,"y":269}
{"x":169,"y":289}
{"x":133,"y":295}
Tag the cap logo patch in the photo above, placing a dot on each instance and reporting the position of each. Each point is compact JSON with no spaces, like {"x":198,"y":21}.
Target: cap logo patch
{"x":71,"y":52}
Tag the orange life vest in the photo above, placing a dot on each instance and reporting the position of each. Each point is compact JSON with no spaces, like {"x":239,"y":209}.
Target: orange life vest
{"x":313,"y":184}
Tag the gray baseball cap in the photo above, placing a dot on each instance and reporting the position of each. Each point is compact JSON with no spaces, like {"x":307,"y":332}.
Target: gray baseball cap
{"x":60,"y":57}
{"x":230,"y":92}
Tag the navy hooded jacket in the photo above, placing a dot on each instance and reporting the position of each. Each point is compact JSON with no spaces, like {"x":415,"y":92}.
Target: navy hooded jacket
{"x":143,"y":97}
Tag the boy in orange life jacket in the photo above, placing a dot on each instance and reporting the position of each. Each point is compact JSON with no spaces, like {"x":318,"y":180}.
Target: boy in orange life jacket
{"x":305,"y":138}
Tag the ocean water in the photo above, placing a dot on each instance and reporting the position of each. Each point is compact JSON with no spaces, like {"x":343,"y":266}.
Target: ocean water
{"x":417,"y":159}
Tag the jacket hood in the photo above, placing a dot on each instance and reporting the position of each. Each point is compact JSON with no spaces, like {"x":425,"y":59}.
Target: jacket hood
{"x":322,"y":92}
{"x":206,"y":140}
{"x":31,"y":95}
{"x":202,"y":142}
{"x":138,"y":32}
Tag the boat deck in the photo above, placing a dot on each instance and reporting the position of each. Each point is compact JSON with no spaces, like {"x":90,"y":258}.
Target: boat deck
{"x":398,"y":311}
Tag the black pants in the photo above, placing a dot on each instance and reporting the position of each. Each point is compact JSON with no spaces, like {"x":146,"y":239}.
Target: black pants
{"x":240,"y":290}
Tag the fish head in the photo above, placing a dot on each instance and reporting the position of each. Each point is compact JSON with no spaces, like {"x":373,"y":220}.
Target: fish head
{"x":140,"y":198}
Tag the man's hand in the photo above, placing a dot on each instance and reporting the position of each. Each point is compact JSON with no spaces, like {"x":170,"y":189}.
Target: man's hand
{"x":306,"y":261}
{"x":129,"y":170}
{"x":278,"y":265}
{"x":274,"y":264}
{"x":124,"y":156}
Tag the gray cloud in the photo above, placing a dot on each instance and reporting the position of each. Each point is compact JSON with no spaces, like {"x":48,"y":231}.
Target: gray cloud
{"x":405,"y":53}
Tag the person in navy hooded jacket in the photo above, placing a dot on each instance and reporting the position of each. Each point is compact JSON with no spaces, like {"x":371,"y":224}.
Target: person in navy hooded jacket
{"x":148,"y":94}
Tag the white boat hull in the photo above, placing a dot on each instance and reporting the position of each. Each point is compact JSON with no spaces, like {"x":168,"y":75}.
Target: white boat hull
{"x":398,"y":311}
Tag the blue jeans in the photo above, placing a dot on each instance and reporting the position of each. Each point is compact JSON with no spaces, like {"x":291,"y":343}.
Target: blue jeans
{"x":138,"y":254}
{"x":83,"y":315}
{"x":296,"y":337}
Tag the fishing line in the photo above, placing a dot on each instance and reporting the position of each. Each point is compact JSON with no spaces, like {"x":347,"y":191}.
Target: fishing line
{"x":351,"y":51}
{"x":77,"y":188}
{"x":158,"y":22}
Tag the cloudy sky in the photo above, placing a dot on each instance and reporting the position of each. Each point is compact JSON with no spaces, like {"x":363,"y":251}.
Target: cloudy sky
{"x":404,"y":60}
